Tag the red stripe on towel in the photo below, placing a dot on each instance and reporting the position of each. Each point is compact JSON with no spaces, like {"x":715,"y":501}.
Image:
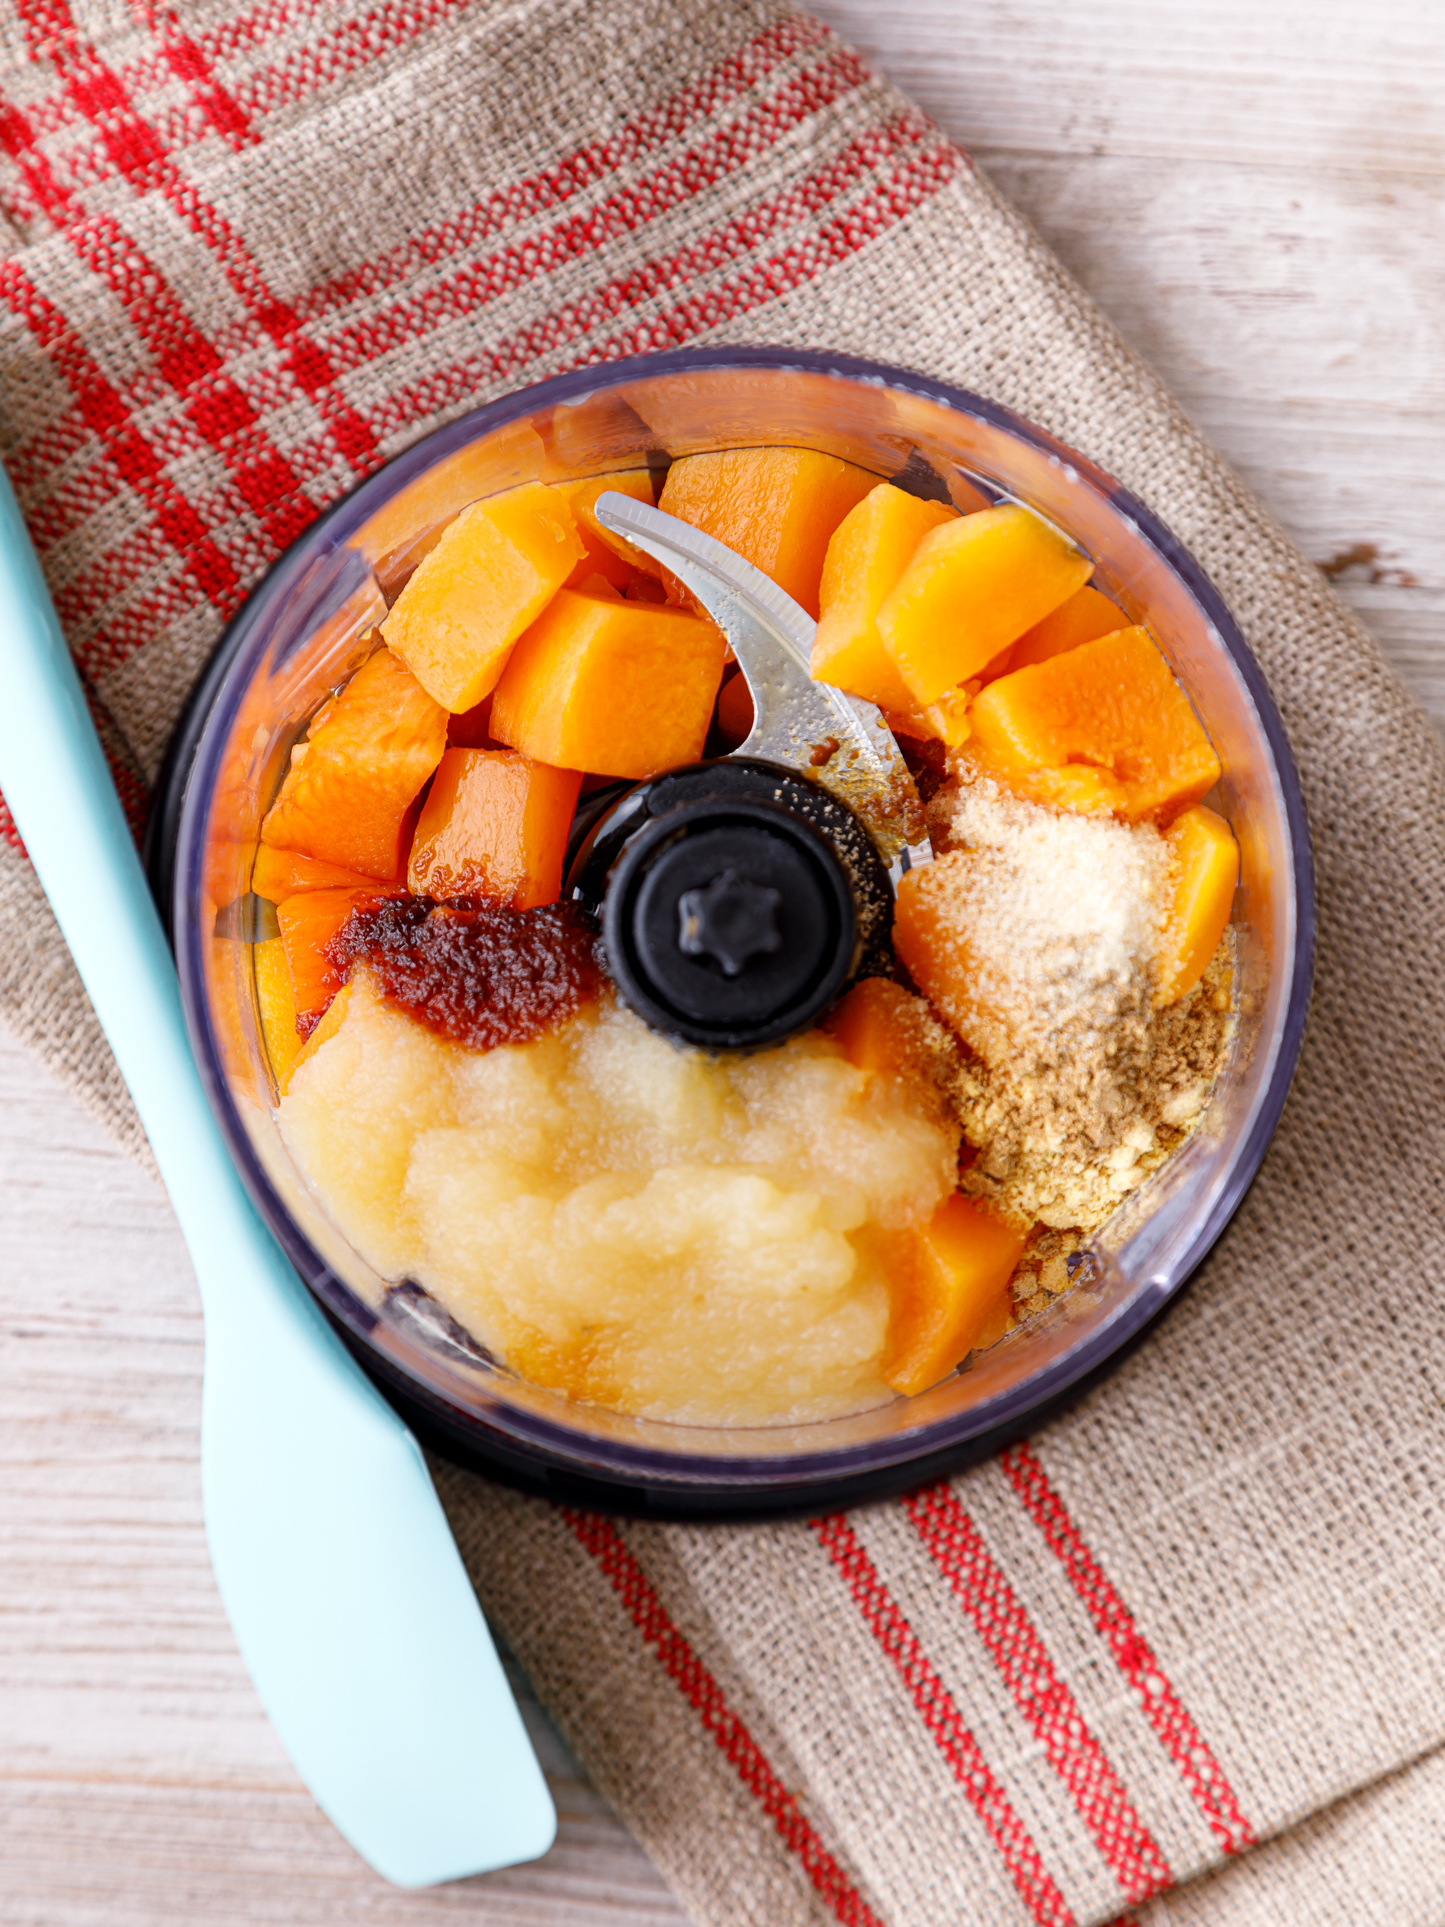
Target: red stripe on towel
{"x":935,"y":1704}
{"x":189,"y":64}
{"x":335,"y":55}
{"x":1013,"y":1643}
{"x":135,"y":461}
{"x":915,"y":173}
{"x":732,"y":1738}
{"x":269,"y":485}
{"x":631,"y":205}
{"x":8,"y":832}
{"x":1133,"y":1655}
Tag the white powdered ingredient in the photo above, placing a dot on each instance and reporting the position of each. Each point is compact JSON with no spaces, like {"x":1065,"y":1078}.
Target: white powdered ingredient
{"x":1073,"y":1086}
{"x":1061,"y":914}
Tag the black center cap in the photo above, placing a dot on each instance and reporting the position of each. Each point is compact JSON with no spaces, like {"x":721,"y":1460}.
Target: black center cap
{"x":731,"y":922}
{"x":728,"y":918}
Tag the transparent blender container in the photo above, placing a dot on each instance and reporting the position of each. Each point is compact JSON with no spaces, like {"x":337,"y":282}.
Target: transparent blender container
{"x":305,"y":629}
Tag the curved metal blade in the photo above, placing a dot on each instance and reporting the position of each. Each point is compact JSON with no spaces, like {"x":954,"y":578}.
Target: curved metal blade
{"x":837,"y":740}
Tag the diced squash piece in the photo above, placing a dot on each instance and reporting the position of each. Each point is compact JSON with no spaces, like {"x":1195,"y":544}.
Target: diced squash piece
{"x":1085,"y":617}
{"x":602,"y":557}
{"x":276,"y":1007}
{"x":646,"y":588}
{"x":323,"y":1031}
{"x":998,"y":1324}
{"x":278,"y":874}
{"x":491,"y":575}
{"x":777,"y":507}
{"x":497,"y":460}
{"x":1205,"y":861}
{"x":598,"y":585}
{"x":346,"y":801}
{"x":614,"y":688}
{"x":945,"y":721}
{"x":949,"y":1283}
{"x":308,"y":923}
{"x":495,"y":825}
{"x":1112,"y":706}
{"x":735,"y":710}
{"x":972,"y":587}
{"x":875,"y":1024}
{"x":867,"y":553}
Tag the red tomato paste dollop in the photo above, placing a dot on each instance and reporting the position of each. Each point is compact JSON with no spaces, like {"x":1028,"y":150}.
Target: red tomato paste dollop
{"x":473,"y":971}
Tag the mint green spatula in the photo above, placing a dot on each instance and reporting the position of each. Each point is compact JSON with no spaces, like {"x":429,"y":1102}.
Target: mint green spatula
{"x":345,"y":1591}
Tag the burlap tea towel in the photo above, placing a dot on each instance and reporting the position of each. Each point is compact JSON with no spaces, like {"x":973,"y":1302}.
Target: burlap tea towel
{"x":250,"y":253}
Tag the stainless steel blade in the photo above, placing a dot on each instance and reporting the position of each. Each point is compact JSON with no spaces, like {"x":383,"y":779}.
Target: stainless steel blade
{"x":836,"y":740}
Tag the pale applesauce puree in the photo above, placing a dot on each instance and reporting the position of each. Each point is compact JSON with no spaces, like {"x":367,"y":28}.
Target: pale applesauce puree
{"x":638,"y":1224}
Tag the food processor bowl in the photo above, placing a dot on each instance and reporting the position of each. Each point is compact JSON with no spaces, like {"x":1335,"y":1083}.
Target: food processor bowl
{"x":305,"y":629}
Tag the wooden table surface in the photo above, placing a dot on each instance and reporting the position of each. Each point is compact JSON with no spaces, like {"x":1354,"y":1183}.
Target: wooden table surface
{"x":1253,"y":190}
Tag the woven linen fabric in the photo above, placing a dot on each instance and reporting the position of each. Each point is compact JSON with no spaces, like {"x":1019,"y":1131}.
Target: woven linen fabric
{"x":249,"y":253}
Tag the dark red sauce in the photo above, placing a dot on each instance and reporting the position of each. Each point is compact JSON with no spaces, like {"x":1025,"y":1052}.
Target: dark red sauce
{"x":473,"y":971}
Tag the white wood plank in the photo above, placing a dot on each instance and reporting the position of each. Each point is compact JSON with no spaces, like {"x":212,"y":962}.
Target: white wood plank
{"x":1332,"y":83}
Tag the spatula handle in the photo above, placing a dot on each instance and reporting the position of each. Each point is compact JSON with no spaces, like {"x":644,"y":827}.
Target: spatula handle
{"x":343,"y":1585}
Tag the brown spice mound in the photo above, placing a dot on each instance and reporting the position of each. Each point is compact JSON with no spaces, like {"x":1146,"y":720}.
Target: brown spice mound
{"x":1066,"y":1130}
{"x":473,"y":971}
{"x":1071,"y":1086}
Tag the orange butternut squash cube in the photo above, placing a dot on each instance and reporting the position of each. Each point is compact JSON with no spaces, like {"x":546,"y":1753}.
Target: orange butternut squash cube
{"x":614,"y":688}
{"x":308,"y":923}
{"x":1205,"y":861}
{"x":972,"y":587}
{"x":495,"y":569}
{"x":325,"y":1029}
{"x":875,"y":1025}
{"x":1085,"y":617}
{"x":998,"y":1324}
{"x":602,"y":555}
{"x":777,"y":507}
{"x":278,"y":874}
{"x":949,"y":1282}
{"x":276,"y":1007}
{"x":345,"y":802}
{"x":867,"y":553}
{"x":495,"y":825}
{"x":1112,"y":706}
{"x":945,"y":721}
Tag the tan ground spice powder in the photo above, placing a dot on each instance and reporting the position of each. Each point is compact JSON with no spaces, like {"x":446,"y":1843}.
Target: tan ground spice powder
{"x":1071,"y":1086}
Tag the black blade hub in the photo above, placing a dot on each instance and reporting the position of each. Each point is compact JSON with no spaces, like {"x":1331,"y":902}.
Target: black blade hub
{"x":737,"y":901}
